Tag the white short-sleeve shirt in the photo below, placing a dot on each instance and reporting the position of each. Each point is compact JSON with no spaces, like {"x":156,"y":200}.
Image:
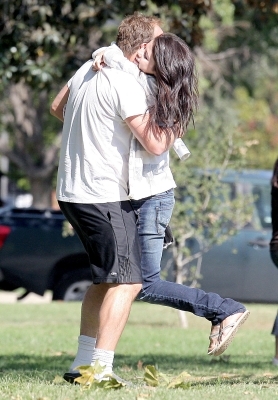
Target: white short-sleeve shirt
{"x":93,"y":166}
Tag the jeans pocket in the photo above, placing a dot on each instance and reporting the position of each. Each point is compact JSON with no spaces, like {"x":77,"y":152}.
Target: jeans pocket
{"x":163,"y":216}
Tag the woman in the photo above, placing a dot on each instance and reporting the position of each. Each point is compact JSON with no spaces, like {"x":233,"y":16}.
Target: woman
{"x":173,"y":97}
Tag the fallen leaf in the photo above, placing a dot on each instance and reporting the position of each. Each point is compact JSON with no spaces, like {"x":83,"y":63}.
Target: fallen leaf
{"x":180,"y":381}
{"x":140,"y":365}
{"x":151,"y":375}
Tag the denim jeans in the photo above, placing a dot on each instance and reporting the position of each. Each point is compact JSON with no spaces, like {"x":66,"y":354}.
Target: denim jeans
{"x":153,"y":215}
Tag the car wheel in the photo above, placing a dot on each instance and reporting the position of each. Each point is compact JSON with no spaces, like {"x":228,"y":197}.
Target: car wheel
{"x":73,"y":286}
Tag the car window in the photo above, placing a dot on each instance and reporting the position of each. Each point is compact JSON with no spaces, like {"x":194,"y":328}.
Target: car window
{"x":262,"y":204}
{"x":261,"y":217}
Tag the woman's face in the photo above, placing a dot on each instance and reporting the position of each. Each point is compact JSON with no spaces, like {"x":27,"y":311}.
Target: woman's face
{"x":144,"y":59}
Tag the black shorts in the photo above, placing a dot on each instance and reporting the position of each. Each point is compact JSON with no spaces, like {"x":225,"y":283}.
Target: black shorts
{"x":109,"y":234}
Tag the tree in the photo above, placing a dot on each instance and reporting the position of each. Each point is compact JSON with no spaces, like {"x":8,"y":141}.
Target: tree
{"x":237,"y":57}
{"x":41,"y":44}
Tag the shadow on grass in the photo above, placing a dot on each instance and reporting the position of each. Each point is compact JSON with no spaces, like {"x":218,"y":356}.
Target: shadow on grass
{"x":164,"y":362}
{"x":204,"y":371}
{"x":183,"y":362}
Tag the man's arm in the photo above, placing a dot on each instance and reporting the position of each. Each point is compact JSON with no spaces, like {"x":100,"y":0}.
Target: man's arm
{"x":153,"y":144}
{"x":58,"y":104}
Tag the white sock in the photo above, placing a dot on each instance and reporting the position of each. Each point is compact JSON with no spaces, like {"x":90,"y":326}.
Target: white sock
{"x":105,"y":358}
{"x":86,"y":346}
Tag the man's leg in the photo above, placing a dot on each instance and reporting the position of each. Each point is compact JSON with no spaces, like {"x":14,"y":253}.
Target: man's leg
{"x":88,"y":326}
{"x":114,"y":313}
{"x":90,"y":309}
{"x":108,"y":232}
{"x":105,"y":311}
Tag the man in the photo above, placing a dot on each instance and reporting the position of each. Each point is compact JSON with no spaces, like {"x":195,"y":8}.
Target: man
{"x":273,"y":245}
{"x":92,"y":187}
{"x":226,"y":315}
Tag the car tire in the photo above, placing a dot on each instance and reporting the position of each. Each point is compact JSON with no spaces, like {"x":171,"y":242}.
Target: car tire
{"x":73,"y":285}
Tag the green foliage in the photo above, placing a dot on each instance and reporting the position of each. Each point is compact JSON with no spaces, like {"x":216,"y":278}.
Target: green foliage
{"x":205,"y":212}
{"x":43,"y":43}
{"x":67,"y":229}
{"x":224,"y":10}
{"x":258,"y":128}
{"x":239,"y":51}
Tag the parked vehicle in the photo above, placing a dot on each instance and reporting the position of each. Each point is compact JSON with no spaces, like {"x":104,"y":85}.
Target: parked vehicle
{"x":34,"y":254}
{"x":241,"y":267}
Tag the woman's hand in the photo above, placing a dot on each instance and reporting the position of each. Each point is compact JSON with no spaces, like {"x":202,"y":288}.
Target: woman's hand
{"x":98,"y":62}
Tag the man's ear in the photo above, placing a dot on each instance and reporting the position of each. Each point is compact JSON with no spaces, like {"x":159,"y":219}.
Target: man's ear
{"x":143,"y":46}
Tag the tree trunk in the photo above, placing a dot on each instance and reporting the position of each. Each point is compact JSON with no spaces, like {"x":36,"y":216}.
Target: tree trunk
{"x":41,"y":190}
{"x":29,"y":147}
{"x":179,"y":279}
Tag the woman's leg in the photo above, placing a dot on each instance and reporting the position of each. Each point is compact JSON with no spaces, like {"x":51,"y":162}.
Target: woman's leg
{"x":154,"y":214}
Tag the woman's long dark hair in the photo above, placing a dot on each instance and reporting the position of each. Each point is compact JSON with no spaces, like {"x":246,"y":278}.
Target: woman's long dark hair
{"x":176,"y":77}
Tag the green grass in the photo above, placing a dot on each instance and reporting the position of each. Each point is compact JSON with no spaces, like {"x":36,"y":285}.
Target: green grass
{"x":38,"y":343}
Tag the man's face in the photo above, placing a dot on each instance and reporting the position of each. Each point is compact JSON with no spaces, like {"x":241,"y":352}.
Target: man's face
{"x":143,"y":57}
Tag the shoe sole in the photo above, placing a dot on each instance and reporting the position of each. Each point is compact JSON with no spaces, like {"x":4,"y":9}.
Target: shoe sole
{"x":230,"y":336}
{"x":71,"y":376}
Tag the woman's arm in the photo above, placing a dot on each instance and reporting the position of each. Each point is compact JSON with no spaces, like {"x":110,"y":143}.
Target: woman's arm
{"x":155,"y":143}
{"x":114,"y":58}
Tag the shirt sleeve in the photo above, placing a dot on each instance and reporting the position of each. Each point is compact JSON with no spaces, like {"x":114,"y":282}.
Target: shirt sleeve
{"x":98,"y":51}
{"x":114,"y":58}
{"x":69,"y":82}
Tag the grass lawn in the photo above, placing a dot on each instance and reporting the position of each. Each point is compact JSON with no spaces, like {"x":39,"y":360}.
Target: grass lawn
{"x":38,"y":343}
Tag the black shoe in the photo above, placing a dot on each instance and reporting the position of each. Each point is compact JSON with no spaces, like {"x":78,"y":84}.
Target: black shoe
{"x":71,"y":376}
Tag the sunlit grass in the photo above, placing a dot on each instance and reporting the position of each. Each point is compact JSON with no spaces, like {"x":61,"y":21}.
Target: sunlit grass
{"x":38,"y":343}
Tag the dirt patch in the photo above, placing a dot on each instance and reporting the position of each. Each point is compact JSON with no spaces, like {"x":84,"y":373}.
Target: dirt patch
{"x":31,"y":298}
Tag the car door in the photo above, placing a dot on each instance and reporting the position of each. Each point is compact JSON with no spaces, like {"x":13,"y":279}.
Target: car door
{"x":241,"y":267}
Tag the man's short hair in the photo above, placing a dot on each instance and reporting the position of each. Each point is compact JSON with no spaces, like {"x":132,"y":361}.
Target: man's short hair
{"x":134,"y":30}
